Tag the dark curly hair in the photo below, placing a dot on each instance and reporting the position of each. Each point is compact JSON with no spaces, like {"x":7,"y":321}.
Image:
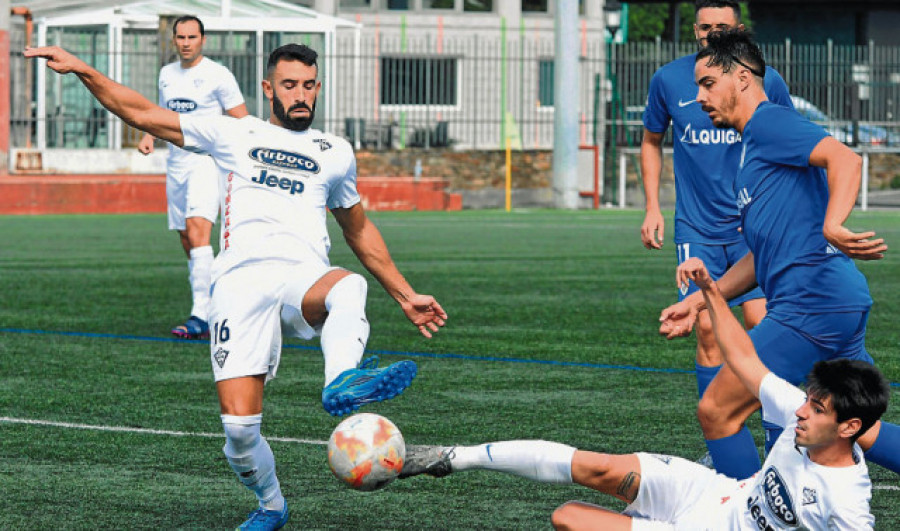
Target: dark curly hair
{"x":291,"y":52}
{"x":733,"y":46}
{"x":857,"y":390}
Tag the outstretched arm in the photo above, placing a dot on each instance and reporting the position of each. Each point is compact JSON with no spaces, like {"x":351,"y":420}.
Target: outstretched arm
{"x":843,"y":169}
{"x":365,"y":240}
{"x":736,"y":346}
{"x":678,"y":319}
{"x":129,"y":105}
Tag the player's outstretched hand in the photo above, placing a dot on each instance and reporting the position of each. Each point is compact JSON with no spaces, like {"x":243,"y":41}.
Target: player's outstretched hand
{"x":58,"y":59}
{"x":424,"y":312}
{"x":693,"y":269}
{"x":677,"y":320}
{"x":653,"y":230}
{"x":858,"y":245}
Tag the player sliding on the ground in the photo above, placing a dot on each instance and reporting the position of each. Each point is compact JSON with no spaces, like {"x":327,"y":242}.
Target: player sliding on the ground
{"x":272,"y":275}
{"x":815,"y":477}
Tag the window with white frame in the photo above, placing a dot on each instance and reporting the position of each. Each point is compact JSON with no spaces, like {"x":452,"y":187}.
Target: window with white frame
{"x":545,"y":82}
{"x":419,"y":80}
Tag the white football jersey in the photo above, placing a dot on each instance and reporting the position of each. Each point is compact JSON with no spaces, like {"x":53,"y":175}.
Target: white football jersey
{"x":793,"y":492}
{"x":207,"y":89}
{"x":277,"y":184}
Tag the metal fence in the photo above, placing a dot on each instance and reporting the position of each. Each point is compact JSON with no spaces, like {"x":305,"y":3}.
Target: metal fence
{"x":469,"y":91}
{"x":853,"y":91}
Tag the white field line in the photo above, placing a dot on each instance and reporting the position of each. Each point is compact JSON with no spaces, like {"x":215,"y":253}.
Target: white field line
{"x":126,"y":429}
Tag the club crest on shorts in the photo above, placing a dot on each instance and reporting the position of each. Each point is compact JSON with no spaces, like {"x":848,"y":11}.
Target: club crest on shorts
{"x":220,"y":356}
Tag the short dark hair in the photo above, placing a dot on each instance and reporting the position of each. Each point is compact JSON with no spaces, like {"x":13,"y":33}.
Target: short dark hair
{"x":701,"y":4}
{"x":187,"y":18}
{"x":857,"y":390}
{"x":733,"y":46}
{"x":291,"y":52}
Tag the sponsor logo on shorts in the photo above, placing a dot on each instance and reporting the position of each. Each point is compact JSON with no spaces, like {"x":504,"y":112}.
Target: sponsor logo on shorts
{"x":774,"y":505}
{"x":284,"y":159}
{"x":220,"y":356}
{"x":273,"y":181}
{"x":181,"y":105}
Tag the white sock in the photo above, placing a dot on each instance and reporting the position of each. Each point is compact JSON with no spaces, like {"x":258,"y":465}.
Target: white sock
{"x":252,"y":460}
{"x":200,"y":267}
{"x":346,"y":329}
{"x":544,"y":461}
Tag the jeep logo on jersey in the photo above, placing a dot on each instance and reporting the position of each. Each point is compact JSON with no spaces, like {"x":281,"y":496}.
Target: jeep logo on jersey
{"x":284,"y":159}
{"x":778,"y":497}
{"x":182,"y":105}
{"x":274,"y":181}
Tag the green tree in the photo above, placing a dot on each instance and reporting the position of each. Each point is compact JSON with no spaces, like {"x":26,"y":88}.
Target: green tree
{"x":646,"y":22}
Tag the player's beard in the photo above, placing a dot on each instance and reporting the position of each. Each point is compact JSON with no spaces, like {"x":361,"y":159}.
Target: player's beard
{"x":725,"y":109}
{"x":294,"y":124}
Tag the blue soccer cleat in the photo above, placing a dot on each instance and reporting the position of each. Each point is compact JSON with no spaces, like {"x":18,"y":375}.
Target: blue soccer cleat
{"x":193,"y":328}
{"x":265,"y":520}
{"x":365,"y":384}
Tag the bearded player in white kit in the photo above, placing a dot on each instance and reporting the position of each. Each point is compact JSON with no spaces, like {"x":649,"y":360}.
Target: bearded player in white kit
{"x":272,"y":275}
{"x":199,"y":86}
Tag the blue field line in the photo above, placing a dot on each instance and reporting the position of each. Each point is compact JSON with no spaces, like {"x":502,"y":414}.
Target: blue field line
{"x":432,"y":355}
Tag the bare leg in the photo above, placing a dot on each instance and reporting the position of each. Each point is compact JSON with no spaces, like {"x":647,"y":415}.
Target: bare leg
{"x":585,"y":516}
{"x":754,"y":311}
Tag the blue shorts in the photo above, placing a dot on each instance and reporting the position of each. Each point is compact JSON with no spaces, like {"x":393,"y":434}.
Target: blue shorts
{"x":717,"y":258}
{"x":790,"y":346}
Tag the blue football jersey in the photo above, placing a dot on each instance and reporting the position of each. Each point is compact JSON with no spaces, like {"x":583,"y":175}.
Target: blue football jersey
{"x":782,"y":201}
{"x":705,"y":157}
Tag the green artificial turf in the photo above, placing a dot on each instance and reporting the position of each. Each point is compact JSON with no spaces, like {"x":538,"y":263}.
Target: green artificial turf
{"x":552,"y":335}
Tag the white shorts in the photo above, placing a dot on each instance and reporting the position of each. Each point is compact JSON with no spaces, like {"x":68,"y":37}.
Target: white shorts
{"x":251,"y":307}
{"x":192,"y":190}
{"x":681,"y":492}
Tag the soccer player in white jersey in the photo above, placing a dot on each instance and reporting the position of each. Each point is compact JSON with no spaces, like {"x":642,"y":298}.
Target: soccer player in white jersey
{"x":815,"y":476}
{"x":272,"y":275}
{"x":198,"y":86}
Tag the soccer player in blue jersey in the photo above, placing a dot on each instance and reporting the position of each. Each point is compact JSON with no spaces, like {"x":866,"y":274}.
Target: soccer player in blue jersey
{"x":796,"y":187}
{"x":706,"y":216}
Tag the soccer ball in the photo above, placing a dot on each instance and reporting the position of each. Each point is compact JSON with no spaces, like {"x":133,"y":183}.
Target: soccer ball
{"x":366,"y":451}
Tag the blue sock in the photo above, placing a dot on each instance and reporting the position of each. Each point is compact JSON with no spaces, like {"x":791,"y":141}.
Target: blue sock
{"x":773,"y":432}
{"x":735,"y":456}
{"x":704,"y":376}
{"x":886,"y":449}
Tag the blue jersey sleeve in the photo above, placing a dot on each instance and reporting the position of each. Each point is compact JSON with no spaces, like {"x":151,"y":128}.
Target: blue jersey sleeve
{"x":776,"y":89}
{"x":656,"y":114}
{"x":785,"y":137}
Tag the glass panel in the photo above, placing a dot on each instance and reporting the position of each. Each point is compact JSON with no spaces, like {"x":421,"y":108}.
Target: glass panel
{"x":534,"y":6}
{"x":478,"y":5}
{"x":356,"y":4}
{"x":438,"y":4}
{"x":70,"y":107}
{"x":418,"y":81}
{"x":141,"y":61}
{"x":398,"y":4}
{"x":545,"y":82}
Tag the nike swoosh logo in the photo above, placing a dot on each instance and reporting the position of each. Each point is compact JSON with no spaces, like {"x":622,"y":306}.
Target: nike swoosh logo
{"x":488,"y":450}
{"x":685,"y":103}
